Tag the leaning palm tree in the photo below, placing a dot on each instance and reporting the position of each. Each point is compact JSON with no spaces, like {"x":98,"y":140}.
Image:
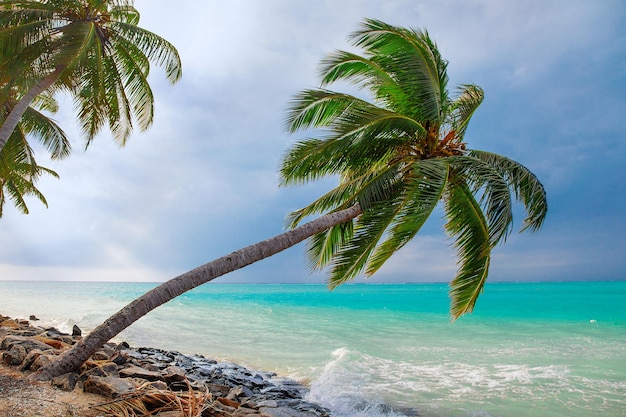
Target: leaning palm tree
{"x":91,"y":48}
{"x":397,"y":155}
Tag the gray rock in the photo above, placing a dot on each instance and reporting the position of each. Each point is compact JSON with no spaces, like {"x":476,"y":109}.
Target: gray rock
{"x":41,"y":361}
{"x":119,"y":359}
{"x":102,"y":369}
{"x":267,"y":404}
{"x":173,"y":374}
{"x":217,"y":389}
{"x":245,"y":412}
{"x":14,"y":356}
{"x":66,"y":382}
{"x":108,"y":386}
{"x":131,"y":354}
{"x":28,"y":343}
{"x":137,"y":372}
{"x":284,"y":412}
{"x":30,"y":358}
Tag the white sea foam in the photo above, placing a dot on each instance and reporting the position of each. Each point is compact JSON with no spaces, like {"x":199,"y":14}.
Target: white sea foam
{"x":345,"y":387}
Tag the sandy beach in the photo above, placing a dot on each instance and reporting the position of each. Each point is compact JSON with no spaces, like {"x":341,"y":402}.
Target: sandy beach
{"x":22,"y":398}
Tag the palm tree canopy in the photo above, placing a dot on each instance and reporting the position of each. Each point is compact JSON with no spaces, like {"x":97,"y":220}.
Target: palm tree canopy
{"x":398,"y":153}
{"x":94,"y":49}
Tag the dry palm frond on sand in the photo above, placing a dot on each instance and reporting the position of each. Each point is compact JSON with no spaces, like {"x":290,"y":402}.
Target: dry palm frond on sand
{"x":149,"y":401}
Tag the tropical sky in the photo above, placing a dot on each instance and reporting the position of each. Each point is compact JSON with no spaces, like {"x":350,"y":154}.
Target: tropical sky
{"x":203,"y":180}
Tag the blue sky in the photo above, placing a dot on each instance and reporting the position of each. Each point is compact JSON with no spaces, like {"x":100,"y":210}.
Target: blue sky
{"x":203,"y":180}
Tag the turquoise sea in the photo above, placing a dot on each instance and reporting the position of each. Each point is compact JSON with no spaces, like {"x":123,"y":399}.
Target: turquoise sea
{"x":529,"y":349}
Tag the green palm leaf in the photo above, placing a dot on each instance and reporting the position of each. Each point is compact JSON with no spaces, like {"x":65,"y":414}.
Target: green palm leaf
{"x":495,"y":196}
{"x":412,"y":58}
{"x":365,"y":189}
{"x":155,"y":48}
{"x":467,"y":224}
{"x":423,"y":192}
{"x":370,"y":227}
{"x":19,"y":172}
{"x":362,"y":72}
{"x":528,"y":190}
{"x":47,"y":132}
{"x":323,"y":247}
{"x":463,"y":108}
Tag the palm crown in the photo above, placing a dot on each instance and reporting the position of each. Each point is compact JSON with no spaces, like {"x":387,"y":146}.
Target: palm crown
{"x":397,"y":155}
{"x":94,"y":49}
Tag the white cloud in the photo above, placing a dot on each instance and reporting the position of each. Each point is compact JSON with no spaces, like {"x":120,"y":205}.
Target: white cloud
{"x":202,"y":181}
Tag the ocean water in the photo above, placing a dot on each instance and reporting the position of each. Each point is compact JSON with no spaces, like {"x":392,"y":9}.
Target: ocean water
{"x":529,"y":349}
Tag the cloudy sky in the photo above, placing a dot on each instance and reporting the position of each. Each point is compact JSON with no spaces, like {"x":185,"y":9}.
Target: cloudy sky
{"x":203,"y":180}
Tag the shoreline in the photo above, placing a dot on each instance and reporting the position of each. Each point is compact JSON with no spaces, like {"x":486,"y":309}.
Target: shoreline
{"x":124,"y":376}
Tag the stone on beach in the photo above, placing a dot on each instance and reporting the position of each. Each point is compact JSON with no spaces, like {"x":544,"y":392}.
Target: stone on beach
{"x":118,"y":371}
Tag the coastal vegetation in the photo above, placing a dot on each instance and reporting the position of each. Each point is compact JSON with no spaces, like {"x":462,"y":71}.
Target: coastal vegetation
{"x":19,"y":171}
{"x":398,"y":154}
{"x":92,"y":50}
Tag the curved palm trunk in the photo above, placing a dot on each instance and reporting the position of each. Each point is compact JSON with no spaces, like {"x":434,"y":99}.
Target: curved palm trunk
{"x":10,"y":123}
{"x":75,"y":357}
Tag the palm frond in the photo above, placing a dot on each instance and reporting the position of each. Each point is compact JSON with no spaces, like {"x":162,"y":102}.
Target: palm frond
{"x":365,"y":189}
{"x":90,"y":95}
{"x":148,"y":401}
{"x":125,"y":13}
{"x":358,"y":131}
{"x":368,"y":123}
{"x":47,"y":102}
{"x":467,"y":224}
{"x":76,"y":46}
{"x":413,"y":60}
{"x":463,"y":108}
{"x":364,"y":73}
{"x":313,"y":159}
{"x":322,"y":248}
{"x":19,"y":172}
{"x":420,"y":196}
{"x":316,"y":108}
{"x":351,"y":258}
{"x":24,"y":25}
{"x":134,"y":67}
{"x":154,"y":47}
{"x":494,"y":192}
{"x":528,"y":190}
{"x":47,"y":132}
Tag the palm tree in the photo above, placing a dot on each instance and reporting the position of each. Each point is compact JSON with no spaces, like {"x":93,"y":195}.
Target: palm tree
{"x":91,"y":48}
{"x":397,"y":156}
{"x":18,"y":169}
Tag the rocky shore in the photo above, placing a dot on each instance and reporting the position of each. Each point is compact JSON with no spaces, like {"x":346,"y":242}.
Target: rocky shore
{"x":148,"y":381}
